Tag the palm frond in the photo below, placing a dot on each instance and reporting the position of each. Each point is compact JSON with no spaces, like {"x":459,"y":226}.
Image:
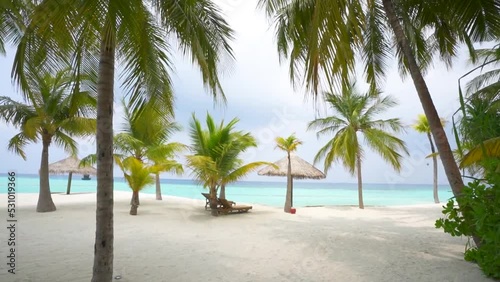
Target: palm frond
{"x":66,"y":142}
{"x":244,"y":170}
{"x":17,"y":144}
{"x":15,"y":112}
{"x":79,"y":126}
{"x":386,"y":145}
{"x":202,"y":33}
{"x":168,"y":166}
{"x":488,"y":149}
{"x":89,"y":160}
{"x":144,"y":51}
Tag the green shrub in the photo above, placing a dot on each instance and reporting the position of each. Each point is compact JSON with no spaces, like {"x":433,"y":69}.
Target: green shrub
{"x":481,"y":202}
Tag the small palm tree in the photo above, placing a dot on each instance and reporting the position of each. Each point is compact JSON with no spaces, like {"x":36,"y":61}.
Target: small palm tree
{"x":53,"y":113}
{"x":146,"y":132}
{"x":144,"y":137}
{"x":422,"y":126}
{"x":356,"y":114}
{"x":288,"y":145}
{"x":216,"y":155}
{"x":138,"y":175}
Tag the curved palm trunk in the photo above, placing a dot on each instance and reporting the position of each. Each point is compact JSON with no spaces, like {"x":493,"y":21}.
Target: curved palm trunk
{"x":442,"y":144}
{"x":134,"y":203}
{"x":158,"y":187}
{"x":360,"y":182}
{"x":103,"y":247}
{"x":289,"y":186}
{"x":213,"y":201}
{"x":45,"y":203}
{"x":222,"y":193}
{"x":434,"y":169}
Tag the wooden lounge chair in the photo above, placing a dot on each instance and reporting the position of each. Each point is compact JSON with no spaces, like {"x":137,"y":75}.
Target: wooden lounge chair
{"x":227,"y":207}
{"x":219,"y":205}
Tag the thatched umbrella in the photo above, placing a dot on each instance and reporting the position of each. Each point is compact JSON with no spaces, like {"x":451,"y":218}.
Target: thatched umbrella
{"x":300,"y":170}
{"x":70,"y":165}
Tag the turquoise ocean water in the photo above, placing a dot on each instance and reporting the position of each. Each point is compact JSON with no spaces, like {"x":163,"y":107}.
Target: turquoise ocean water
{"x":306,"y":193}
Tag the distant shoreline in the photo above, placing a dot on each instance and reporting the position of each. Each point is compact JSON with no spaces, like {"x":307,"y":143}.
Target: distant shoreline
{"x":283,"y":180}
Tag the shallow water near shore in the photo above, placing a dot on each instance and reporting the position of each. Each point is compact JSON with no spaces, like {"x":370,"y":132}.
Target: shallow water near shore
{"x":306,"y":193}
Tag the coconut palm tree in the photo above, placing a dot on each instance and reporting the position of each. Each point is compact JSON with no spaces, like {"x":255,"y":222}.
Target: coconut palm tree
{"x":138,"y":175}
{"x":288,"y":145}
{"x":422,"y":126}
{"x":52,"y":113}
{"x":93,"y":35}
{"x":325,"y":39}
{"x":145,"y":136}
{"x":216,"y":161}
{"x":355,"y":114}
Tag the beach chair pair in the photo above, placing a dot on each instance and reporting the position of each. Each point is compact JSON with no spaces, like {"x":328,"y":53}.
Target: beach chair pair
{"x":225,"y":207}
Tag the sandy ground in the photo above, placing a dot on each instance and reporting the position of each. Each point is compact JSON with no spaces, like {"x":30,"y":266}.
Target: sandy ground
{"x":177,"y":240}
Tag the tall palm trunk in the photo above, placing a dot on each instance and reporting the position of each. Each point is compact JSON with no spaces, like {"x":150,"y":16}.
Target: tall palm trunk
{"x":360,"y":181}
{"x":288,"y":200}
{"x":134,"y":204}
{"x":435,"y":170}
{"x":158,"y":187}
{"x":442,"y":144}
{"x":222,"y":193}
{"x":45,"y":203}
{"x":103,"y":247}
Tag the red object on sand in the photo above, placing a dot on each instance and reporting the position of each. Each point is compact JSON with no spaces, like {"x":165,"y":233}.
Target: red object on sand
{"x":292,"y":210}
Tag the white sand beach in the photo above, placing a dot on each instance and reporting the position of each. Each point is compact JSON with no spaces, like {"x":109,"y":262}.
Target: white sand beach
{"x":177,"y":240}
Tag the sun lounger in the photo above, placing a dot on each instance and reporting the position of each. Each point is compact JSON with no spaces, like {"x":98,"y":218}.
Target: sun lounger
{"x":228,"y":207}
{"x":219,"y":205}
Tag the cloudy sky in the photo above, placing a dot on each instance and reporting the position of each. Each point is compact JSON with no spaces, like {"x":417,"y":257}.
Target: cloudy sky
{"x":260,"y":95}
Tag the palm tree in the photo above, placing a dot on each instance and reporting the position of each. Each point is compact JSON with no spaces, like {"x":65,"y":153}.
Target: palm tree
{"x":138,"y":175}
{"x":324,"y":39}
{"x":355,"y":114}
{"x":422,"y":126}
{"x":288,"y":145}
{"x":216,"y":155}
{"x":145,"y":137}
{"x":52,"y":114}
{"x":91,"y":35}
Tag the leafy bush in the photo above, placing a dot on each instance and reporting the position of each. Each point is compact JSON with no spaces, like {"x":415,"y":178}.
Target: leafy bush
{"x":480,"y":200}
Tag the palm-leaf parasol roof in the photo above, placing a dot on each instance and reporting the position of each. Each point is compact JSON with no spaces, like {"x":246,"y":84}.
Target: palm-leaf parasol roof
{"x":70,"y":165}
{"x":300,"y":169}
